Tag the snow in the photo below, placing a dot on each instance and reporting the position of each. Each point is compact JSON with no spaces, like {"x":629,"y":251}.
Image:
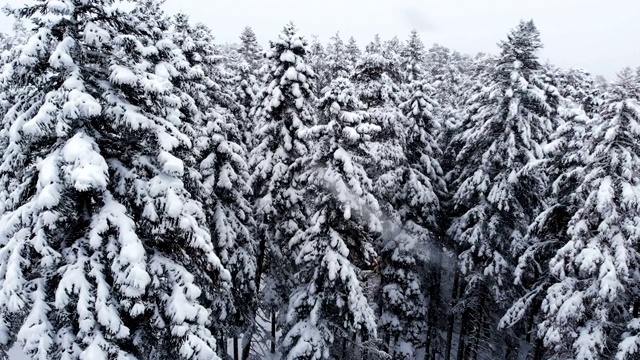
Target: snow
{"x":87,"y":169}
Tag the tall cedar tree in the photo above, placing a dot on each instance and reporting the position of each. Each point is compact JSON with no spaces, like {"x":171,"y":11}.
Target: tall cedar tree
{"x":284,"y":107}
{"x":104,"y":244}
{"x":337,"y":245}
{"x":495,"y":185}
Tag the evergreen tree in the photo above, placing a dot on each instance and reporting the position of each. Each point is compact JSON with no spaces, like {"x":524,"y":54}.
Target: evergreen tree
{"x":594,"y":274}
{"x":105,"y":243}
{"x":224,"y":169}
{"x":496,"y":189}
{"x":332,"y":251}
{"x":337,"y":59}
{"x":283,"y":109}
{"x":353,"y":53}
{"x":411,"y":241}
{"x":317,"y":59}
{"x":413,"y":58}
{"x":250,"y":50}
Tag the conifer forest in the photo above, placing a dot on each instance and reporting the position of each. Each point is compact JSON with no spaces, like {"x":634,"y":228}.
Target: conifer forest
{"x":164,"y":196}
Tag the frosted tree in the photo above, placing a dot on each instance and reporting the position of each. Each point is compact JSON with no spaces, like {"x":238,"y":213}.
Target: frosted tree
{"x":284,"y":107}
{"x":577,"y":87}
{"x":329,"y":301}
{"x":410,"y":297}
{"x":353,"y":53}
{"x":564,"y":167}
{"x":317,"y":59}
{"x":413,"y":58}
{"x":105,"y":244}
{"x":249,"y":49}
{"x":594,"y":273}
{"x":337,"y":59}
{"x":222,"y":160}
{"x":495,"y":184}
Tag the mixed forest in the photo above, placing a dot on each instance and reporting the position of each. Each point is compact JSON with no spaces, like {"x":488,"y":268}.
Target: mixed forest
{"x":165,"y":196}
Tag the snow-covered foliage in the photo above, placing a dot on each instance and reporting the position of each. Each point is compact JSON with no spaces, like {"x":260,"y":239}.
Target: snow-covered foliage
{"x":105,"y":243}
{"x":329,"y":301}
{"x":496,"y":182}
{"x":284,"y":108}
{"x":166,"y":196}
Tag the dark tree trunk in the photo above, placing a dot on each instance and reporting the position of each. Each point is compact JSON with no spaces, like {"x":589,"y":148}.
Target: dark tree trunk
{"x":273,"y":332}
{"x":451,"y":319}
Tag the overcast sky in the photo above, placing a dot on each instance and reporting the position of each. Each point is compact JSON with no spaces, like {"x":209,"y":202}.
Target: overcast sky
{"x":600,"y":36}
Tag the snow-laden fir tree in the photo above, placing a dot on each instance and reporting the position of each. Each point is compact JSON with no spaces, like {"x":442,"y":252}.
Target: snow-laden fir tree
{"x":249,"y":49}
{"x":353,"y":53}
{"x":411,"y":246}
{"x":224,"y":169}
{"x":413,"y":59}
{"x":564,"y":168}
{"x":283,"y":108}
{"x":105,"y":246}
{"x":577,"y":87}
{"x":317,"y":59}
{"x":338,"y":64}
{"x":496,"y":188}
{"x":329,"y":302}
{"x":591,"y":309}
{"x":245,"y":65}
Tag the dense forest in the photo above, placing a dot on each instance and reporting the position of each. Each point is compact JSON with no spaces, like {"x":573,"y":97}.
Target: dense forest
{"x":164,"y":196}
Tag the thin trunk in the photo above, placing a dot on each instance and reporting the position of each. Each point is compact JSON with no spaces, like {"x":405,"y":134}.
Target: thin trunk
{"x":260,"y":263}
{"x":464,"y":325}
{"x":273,"y":332}
{"x":246,"y":344}
{"x":235,"y":348}
{"x":451,"y":319}
{"x":538,"y":349}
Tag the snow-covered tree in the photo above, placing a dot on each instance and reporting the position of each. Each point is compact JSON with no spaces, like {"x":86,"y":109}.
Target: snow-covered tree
{"x":317,"y":59}
{"x":413,"y":58}
{"x":594,"y":274}
{"x":329,"y":301}
{"x":353,"y":53}
{"x":410,"y":249}
{"x":249,"y":49}
{"x":495,"y":183}
{"x":284,"y":107}
{"x":104,"y":242}
{"x":337,"y":59}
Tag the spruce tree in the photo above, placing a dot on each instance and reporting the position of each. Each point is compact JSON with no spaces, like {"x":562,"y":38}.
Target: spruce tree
{"x":411,"y":246}
{"x":337,"y":59}
{"x":353,"y":53}
{"x":413,"y":59}
{"x":593,"y":274}
{"x":329,"y":302}
{"x":496,"y":190}
{"x":283,"y":109}
{"x":106,"y":243}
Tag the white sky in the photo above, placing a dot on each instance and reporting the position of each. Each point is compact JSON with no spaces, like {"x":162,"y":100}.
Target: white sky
{"x":600,"y":36}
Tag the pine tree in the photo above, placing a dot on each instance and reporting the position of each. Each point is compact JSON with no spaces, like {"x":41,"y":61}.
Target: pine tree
{"x":353,"y":53}
{"x":413,"y":58}
{"x":594,"y":274}
{"x":563,"y":166}
{"x":283,"y":109}
{"x":337,"y":59}
{"x":332,"y":251}
{"x":250,"y":50}
{"x":496,"y":186}
{"x":317,"y":59}
{"x":411,"y":243}
{"x":224,"y":169}
{"x":106,"y":242}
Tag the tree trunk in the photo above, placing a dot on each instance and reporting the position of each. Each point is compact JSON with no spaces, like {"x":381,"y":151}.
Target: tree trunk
{"x":451,"y":319}
{"x":235,"y":348}
{"x":273,"y":331}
